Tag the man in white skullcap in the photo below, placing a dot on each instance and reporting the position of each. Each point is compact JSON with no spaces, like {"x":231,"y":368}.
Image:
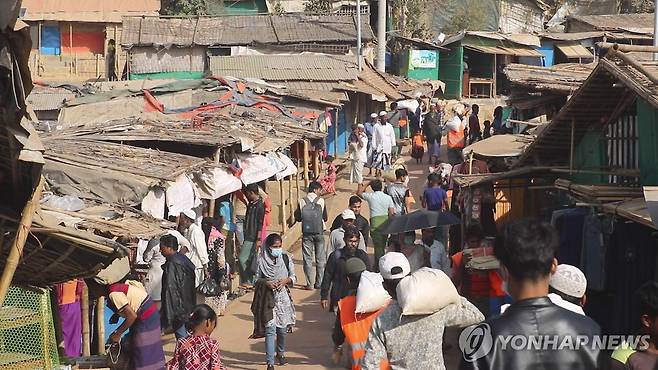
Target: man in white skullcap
{"x":370,"y":128}
{"x":383,"y":142}
{"x":566,"y":288}
{"x":198,"y":251}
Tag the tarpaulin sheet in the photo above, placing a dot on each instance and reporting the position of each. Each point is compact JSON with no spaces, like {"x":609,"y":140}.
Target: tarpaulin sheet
{"x":181,"y":195}
{"x":290,"y":167}
{"x":215,"y":182}
{"x":110,"y":186}
{"x":106,"y":111}
{"x":83,"y":42}
{"x":500,"y":146}
{"x":154,"y":203}
{"x":256,"y":168}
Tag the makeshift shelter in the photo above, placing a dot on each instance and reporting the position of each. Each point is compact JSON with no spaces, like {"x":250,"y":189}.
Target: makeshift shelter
{"x":575,"y":47}
{"x":635,"y":29}
{"x":188,"y":41}
{"x":70,"y":38}
{"x":471,"y":67}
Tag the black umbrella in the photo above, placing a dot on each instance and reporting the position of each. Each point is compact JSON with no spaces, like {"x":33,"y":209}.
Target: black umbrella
{"x":421,"y":219}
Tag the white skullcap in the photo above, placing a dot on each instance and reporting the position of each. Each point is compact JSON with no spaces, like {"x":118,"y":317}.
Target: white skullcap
{"x":189,"y":214}
{"x":569,"y":280}
{"x":373,"y":115}
{"x":382,"y":113}
{"x":348,"y":214}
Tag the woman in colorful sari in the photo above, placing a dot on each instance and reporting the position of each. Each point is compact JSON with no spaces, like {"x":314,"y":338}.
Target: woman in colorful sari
{"x":217,"y":267}
{"x":128,"y":299}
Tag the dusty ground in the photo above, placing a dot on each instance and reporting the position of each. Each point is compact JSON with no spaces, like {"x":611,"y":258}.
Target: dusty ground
{"x":310,"y":346}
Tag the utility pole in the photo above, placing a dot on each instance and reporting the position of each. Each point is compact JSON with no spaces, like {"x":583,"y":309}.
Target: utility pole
{"x":358,"y":34}
{"x":381,"y":36}
{"x":655,"y":28}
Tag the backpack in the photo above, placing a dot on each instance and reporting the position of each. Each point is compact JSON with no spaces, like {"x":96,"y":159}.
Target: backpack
{"x":312,"y":222}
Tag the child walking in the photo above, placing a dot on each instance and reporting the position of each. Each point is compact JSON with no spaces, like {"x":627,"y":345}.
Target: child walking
{"x":198,"y":351}
{"x":329,"y":181}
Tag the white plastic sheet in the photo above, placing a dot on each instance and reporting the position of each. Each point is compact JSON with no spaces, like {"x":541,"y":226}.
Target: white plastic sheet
{"x":154,"y":203}
{"x":181,"y":195}
{"x":256,"y":168}
{"x":215,"y":182}
{"x":290,"y":167}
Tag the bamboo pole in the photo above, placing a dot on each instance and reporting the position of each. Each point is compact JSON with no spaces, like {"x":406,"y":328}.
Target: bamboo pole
{"x":39,"y":52}
{"x":571,"y":146}
{"x":71,"y":46}
{"x":291,"y":210}
{"x":305,"y":164}
{"x":100,"y":325}
{"x":297,"y":188}
{"x":86,"y":339}
{"x":16,"y":251}
{"x":211,"y":204}
{"x":284,"y":219}
{"x":317,"y":168}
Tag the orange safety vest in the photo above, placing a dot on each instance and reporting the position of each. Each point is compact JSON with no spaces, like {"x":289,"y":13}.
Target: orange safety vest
{"x":356,"y":327}
{"x":456,"y":139}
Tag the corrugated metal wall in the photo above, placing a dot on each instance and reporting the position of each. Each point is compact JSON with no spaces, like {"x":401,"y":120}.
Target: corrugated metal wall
{"x":451,"y":70}
{"x":647,"y":129}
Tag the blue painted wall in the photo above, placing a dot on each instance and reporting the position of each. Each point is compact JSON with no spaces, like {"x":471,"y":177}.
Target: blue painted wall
{"x":342,"y":135}
{"x":548,"y":50}
{"x":50,"y":40}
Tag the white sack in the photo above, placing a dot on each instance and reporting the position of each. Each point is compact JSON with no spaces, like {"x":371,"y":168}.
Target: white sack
{"x":154,"y":203}
{"x":425,"y":292}
{"x":371,"y":295}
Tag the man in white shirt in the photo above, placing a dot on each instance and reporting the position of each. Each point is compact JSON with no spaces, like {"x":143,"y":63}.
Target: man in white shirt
{"x":566,"y":289}
{"x":336,"y":238}
{"x":383,"y":143}
{"x":198,"y":250}
{"x":358,"y":155}
{"x":155,"y":259}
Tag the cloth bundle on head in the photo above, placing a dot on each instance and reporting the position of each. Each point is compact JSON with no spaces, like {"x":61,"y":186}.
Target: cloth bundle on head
{"x":569,"y":280}
{"x":115,"y":272}
{"x":425,"y":292}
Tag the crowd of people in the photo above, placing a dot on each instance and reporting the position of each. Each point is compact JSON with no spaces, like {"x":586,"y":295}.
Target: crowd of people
{"x":389,"y":308}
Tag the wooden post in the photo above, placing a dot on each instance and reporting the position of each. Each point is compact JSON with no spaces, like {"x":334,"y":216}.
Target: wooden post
{"x":71,"y":45}
{"x":211,"y":204}
{"x":76,"y":64}
{"x":97,"y":64}
{"x":336,"y":127}
{"x":317,"y":165}
{"x":297,"y":187}
{"x":16,"y":251}
{"x":284,"y":218}
{"x":100,"y":325}
{"x":291,"y":208}
{"x":39,"y":52}
{"x":493,"y":89}
{"x":86,"y":337}
{"x":305,"y":164}
{"x":116,"y":53}
{"x":571,"y":147}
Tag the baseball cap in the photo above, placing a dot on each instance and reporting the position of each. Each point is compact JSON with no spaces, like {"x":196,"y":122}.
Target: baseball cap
{"x":382,"y":113}
{"x":189,"y":214}
{"x":354,"y":265}
{"x":373,"y":115}
{"x":569,"y":280}
{"x":394,"y":265}
{"x":348,"y":214}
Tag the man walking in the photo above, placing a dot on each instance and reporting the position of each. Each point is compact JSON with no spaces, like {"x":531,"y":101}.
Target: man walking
{"x":198,"y":251}
{"x":383,"y":143}
{"x":336,"y":238}
{"x":312,"y":213}
{"x":400,"y":193}
{"x":361,"y":222}
{"x":432,"y":132}
{"x":474,"y":129}
{"x":334,"y":283}
{"x":178,"y":289}
{"x":358,"y":155}
{"x":456,"y":140}
{"x":253,"y":231}
{"x":381,"y":208}
{"x":527,"y":255}
{"x":411,"y":341}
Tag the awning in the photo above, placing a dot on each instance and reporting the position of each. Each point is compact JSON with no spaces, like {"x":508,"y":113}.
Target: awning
{"x":574,"y":51}
{"x":500,"y":146}
{"x":635,"y":210}
{"x":518,"y":51}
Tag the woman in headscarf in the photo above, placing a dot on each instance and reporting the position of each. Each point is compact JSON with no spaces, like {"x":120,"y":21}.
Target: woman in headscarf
{"x":276,"y":267}
{"x":217,"y":267}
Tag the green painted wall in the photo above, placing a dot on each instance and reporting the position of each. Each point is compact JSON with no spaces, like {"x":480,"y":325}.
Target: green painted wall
{"x":245,"y":7}
{"x":591,"y":154}
{"x":647,"y":124}
{"x":182,"y":75}
{"x":451,"y":70}
{"x":410,"y":69}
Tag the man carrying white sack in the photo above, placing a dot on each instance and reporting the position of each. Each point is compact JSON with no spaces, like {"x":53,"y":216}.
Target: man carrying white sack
{"x":409,"y":333}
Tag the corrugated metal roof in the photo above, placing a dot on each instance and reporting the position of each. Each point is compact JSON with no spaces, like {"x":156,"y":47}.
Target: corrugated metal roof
{"x":642,"y":22}
{"x":574,"y":51}
{"x":242,"y":30}
{"x":88,"y":10}
{"x":149,"y":60}
{"x":48,"y":98}
{"x":308,"y":67}
{"x":503,"y":50}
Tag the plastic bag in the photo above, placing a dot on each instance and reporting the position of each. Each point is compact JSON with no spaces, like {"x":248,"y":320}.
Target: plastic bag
{"x":209,"y":288}
{"x":425,"y":292}
{"x":371,"y":295}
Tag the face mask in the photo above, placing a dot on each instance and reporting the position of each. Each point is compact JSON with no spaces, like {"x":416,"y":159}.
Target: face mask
{"x":276,"y":252}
